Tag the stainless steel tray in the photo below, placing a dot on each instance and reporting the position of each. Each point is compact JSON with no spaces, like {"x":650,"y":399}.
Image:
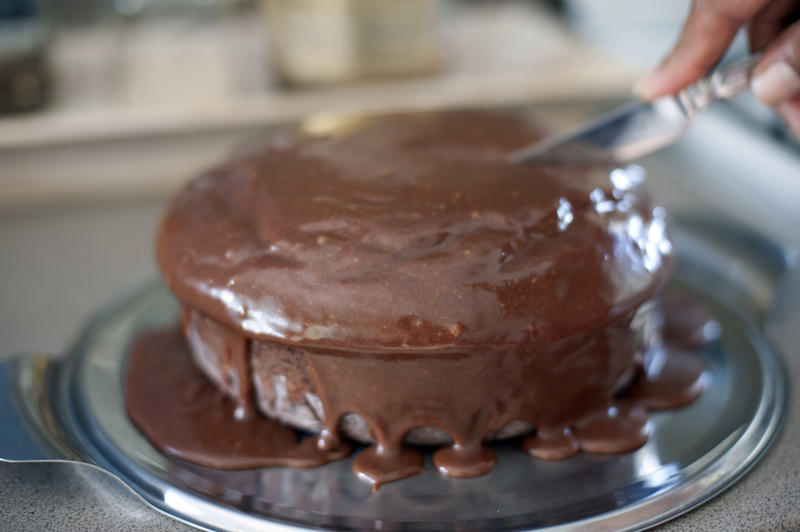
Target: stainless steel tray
{"x":73,"y":410}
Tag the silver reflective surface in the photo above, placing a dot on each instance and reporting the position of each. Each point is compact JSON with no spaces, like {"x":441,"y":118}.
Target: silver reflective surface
{"x":643,"y":127}
{"x":74,"y":410}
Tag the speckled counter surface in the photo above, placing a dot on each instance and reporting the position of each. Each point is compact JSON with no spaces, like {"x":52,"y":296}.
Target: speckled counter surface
{"x":57,"y":266}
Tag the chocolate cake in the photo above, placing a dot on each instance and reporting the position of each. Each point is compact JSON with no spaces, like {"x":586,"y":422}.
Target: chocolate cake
{"x":396,"y":281}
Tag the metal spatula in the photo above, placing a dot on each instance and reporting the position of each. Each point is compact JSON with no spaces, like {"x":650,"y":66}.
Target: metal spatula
{"x":641,"y":127}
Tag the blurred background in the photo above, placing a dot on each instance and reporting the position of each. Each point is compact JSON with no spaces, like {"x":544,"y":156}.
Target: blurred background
{"x":85,"y":84}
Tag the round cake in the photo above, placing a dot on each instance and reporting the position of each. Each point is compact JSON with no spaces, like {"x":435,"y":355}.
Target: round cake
{"x":395,"y":280}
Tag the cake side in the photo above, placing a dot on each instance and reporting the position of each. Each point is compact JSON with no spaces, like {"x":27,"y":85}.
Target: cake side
{"x":286,"y":390}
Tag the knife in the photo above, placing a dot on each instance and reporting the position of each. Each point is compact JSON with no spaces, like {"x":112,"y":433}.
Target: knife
{"x":641,"y":127}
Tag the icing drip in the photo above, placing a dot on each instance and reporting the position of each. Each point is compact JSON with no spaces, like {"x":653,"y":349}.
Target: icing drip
{"x":465,"y":461}
{"x":187,"y":416}
{"x":623,"y":426}
{"x":551,"y":445}
{"x":225,"y":354}
{"x":397,"y":392}
{"x":378,"y":465}
{"x":678,"y":381}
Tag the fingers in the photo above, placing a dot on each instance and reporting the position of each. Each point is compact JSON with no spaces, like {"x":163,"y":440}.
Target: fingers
{"x":768,"y":23}
{"x":776,"y":79}
{"x":706,"y":35}
{"x":709,"y":30}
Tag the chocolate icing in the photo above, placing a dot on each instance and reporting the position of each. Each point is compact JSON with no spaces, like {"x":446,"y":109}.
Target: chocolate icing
{"x":401,"y":274}
{"x":186,"y":416}
{"x":412,"y":231}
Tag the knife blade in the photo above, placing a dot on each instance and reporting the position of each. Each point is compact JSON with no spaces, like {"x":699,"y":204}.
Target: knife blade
{"x":639,"y":128}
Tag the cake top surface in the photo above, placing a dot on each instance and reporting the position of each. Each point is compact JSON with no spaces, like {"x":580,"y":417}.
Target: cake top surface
{"x":411,"y":231}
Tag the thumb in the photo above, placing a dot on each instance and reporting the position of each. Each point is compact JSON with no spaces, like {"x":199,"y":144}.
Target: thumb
{"x":776,"y":79}
{"x":707,"y":33}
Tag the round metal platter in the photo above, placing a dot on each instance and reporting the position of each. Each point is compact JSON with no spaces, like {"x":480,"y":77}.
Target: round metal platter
{"x":694,"y":453}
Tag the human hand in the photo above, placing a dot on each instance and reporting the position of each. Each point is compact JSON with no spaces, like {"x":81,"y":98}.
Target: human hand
{"x":773,"y":27}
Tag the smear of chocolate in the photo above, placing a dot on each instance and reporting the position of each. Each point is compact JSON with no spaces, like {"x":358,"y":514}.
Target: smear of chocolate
{"x":185,"y":415}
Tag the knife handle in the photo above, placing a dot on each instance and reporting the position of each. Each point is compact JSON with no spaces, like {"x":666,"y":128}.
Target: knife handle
{"x":722,"y":84}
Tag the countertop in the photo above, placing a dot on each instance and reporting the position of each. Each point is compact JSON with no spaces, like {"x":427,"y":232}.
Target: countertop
{"x":57,"y":265}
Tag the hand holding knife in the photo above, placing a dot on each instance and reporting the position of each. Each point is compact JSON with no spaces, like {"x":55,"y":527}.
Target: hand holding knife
{"x":642,"y":127}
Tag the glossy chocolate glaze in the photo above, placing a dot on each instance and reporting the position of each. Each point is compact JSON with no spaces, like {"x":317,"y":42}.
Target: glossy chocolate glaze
{"x":424,"y":282}
{"x":412,"y":231}
{"x":472,"y":394}
{"x":187,"y":416}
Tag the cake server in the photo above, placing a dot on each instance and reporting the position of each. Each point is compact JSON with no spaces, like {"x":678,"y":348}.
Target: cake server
{"x":641,"y":127}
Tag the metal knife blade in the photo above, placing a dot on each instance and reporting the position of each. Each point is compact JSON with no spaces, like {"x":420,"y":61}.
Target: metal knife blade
{"x":640,"y":127}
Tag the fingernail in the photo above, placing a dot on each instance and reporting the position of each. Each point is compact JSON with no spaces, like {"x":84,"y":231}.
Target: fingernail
{"x":777,"y":83}
{"x":643,"y":88}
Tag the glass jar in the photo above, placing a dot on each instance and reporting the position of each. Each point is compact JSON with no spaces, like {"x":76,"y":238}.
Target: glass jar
{"x":329,"y":41}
